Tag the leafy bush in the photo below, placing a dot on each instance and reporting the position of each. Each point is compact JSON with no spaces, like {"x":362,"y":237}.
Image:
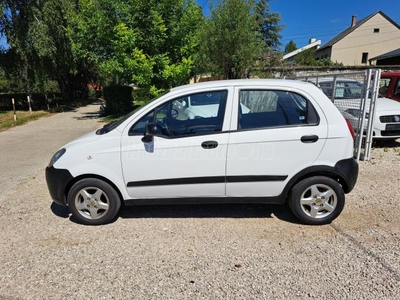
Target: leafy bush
{"x":95,"y":94}
{"x":118,"y":99}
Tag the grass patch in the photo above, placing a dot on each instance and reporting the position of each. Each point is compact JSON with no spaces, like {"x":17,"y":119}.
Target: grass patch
{"x":7,"y":118}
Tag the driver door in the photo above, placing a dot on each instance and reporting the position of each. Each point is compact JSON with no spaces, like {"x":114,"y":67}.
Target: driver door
{"x":187,"y":157}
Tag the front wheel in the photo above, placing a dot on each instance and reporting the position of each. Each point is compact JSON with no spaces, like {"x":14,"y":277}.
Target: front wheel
{"x":317,"y":200}
{"x":93,"y":201}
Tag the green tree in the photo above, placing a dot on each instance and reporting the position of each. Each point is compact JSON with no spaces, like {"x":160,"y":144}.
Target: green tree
{"x":268,"y":23}
{"x":11,"y":76}
{"x":15,"y":23}
{"x":55,"y":48}
{"x":306,"y":58}
{"x":230,"y":40}
{"x":37,"y":32}
{"x":150,"y":43}
{"x":290,"y":47}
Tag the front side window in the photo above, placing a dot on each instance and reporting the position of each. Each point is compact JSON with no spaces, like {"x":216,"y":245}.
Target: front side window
{"x":262,"y":109}
{"x":139,"y":127}
{"x":200,"y":113}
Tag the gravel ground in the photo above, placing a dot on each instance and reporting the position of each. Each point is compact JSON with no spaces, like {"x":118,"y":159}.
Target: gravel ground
{"x":191,"y":252}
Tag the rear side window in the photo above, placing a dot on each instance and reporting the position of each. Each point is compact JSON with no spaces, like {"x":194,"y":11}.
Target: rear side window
{"x":263,"y":109}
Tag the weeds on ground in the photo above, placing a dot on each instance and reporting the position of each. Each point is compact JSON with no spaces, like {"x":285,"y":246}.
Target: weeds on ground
{"x":7,"y":118}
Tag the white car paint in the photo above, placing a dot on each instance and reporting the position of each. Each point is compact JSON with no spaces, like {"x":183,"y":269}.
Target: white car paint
{"x":215,"y":156}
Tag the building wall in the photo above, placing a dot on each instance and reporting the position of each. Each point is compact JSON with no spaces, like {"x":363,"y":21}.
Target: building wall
{"x":350,"y":49}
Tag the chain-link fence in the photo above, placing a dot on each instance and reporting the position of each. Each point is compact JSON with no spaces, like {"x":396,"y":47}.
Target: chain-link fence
{"x":354,"y":94}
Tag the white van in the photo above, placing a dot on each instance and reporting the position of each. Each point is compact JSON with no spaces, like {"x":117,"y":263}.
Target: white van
{"x":247,"y":141}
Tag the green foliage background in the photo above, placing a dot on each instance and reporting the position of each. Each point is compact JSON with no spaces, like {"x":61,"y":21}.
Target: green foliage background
{"x":68,"y":46}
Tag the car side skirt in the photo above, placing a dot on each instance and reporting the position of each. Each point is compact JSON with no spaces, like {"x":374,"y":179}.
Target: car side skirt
{"x":208,"y":200}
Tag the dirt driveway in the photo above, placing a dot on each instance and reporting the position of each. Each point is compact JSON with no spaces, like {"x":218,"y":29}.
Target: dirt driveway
{"x":190,"y":252}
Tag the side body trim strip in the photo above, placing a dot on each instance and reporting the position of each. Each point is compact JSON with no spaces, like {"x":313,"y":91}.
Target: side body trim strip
{"x":210,"y":179}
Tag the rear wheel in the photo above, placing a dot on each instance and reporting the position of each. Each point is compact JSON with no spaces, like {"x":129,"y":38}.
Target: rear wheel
{"x":93,"y":201}
{"x":317,"y":200}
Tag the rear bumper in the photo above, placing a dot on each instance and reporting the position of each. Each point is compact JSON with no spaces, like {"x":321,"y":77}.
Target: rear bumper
{"x":57,"y":182}
{"x":347,"y":169}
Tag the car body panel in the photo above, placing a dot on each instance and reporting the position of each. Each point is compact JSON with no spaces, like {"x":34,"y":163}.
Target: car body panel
{"x":245,"y":163}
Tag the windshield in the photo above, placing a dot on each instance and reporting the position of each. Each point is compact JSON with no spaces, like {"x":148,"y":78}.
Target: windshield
{"x":111,"y":126}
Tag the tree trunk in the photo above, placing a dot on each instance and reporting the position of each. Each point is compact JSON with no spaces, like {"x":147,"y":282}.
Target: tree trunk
{"x":65,"y":89}
{"x":25,"y":78}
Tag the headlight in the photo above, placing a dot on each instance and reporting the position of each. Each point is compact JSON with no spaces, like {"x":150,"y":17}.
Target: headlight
{"x":56,"y":156}
{"x":356,"y":112}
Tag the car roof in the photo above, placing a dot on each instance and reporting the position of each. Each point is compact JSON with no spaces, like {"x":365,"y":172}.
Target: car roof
{"x":244,"y":82}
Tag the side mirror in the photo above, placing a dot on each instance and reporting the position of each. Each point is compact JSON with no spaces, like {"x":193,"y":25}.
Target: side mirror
{"x":150,"y":132}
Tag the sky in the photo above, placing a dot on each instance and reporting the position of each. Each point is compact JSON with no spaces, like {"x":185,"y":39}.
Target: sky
{"x":322,"y":19}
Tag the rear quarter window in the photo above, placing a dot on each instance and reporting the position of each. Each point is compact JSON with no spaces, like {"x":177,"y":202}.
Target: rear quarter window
{"x":264,"y":108}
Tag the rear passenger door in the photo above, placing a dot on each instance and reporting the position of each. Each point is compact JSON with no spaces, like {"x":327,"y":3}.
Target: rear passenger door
{"x":278,"y":133}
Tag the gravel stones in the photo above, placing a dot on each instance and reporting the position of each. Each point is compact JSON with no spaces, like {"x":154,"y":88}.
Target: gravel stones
{"x":194,"y":252}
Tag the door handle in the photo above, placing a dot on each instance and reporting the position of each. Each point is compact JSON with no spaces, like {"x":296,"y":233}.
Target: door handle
{"x":209,"y":144}
{"x":309,"y":138}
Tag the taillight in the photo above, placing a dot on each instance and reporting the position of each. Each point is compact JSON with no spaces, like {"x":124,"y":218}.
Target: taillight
{"x":350,"y":128}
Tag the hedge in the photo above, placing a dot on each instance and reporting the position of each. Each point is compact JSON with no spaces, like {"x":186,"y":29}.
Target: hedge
{"x":118,"y":99}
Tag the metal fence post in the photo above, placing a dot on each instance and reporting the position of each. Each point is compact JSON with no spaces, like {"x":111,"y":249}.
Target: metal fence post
{"x":372,"y":112}
{"x":334,"y":89}
{"x":363,"y":108}
{"x":15,"y":113}
{"x":29,"y":103}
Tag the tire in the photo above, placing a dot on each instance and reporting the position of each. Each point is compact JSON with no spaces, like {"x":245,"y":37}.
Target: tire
{"x":317,"y":200}
{"x":93,"y":201}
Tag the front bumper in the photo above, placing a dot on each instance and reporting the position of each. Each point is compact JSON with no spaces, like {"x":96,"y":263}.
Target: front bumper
{"x":57,"y":182}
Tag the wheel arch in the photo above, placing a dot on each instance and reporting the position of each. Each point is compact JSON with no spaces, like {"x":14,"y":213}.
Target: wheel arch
{"x":325,"y":171}
{"x":84,"y":176}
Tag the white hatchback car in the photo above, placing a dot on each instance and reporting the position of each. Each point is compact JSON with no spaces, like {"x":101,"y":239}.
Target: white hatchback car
{"x":262,"y":141}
